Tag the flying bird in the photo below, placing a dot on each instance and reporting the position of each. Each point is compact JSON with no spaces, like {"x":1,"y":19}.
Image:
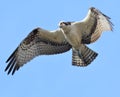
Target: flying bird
{"x":70,"y":35}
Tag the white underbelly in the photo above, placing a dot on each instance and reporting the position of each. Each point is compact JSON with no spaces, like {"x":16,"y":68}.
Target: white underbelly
{"x":73,"y":39}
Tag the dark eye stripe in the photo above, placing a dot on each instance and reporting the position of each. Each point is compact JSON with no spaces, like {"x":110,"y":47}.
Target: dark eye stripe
{"x":67,"y":23}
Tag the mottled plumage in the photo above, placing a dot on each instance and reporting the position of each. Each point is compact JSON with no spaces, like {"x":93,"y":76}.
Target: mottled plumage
{"x":73,"y":35}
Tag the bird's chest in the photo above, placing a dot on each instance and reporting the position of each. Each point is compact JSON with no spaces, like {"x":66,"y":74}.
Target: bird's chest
{"x":73,"y":38}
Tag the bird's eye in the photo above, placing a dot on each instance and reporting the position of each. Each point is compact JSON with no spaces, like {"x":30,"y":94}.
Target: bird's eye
{"x":61,"y":23}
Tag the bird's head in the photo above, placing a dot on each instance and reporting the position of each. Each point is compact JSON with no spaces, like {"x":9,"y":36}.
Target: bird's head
{"x":64,"y":24}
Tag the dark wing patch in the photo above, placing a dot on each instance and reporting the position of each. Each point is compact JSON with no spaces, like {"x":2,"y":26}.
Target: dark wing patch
{"x":86,"y":38}
{"x":96,"y":24}
{"x":32,"y":46}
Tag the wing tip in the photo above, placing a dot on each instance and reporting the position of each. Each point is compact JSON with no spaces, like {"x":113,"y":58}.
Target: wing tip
{"x":12,"y":69}
{"x":11,"y":63}
{"x":106,"y":17}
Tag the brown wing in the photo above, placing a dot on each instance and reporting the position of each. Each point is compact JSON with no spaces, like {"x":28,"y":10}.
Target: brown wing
{"x":38,"y":42}
{"x":103,"y":24}
{"x":93,"y":25}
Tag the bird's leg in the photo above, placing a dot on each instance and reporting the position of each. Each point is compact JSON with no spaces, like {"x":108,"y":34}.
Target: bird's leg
{"x":80,"y":52}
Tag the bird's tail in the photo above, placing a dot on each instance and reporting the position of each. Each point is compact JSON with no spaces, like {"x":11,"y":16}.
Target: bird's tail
{"x":83,"y":57}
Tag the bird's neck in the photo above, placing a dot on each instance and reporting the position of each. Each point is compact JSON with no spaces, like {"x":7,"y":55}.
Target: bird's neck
{"x":65,"y":30}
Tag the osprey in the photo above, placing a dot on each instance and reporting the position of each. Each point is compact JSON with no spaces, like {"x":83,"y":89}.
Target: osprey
{"x":69,"y":35}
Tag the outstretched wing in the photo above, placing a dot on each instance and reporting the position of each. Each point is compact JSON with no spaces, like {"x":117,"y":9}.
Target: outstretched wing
{"x":93,"y":25}
{"x":38,"y":42}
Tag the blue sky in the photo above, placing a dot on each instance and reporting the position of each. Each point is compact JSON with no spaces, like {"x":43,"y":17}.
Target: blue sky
{"x":54,"y":76}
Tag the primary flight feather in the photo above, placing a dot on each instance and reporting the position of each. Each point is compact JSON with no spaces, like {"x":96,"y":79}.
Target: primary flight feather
{"x":70,"y":35}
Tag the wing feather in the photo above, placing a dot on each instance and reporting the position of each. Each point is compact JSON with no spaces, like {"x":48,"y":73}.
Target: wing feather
{"x":93,"y":25}
{"x":103,"y":24}
{"x":38,"y":42}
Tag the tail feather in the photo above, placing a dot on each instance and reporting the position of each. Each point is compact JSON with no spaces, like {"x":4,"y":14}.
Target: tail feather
{"x":76,"y":60}
{"x":86,"y":57}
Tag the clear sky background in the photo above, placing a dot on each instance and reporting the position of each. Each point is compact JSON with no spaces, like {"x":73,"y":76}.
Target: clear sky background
{"x":54,"y":76}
